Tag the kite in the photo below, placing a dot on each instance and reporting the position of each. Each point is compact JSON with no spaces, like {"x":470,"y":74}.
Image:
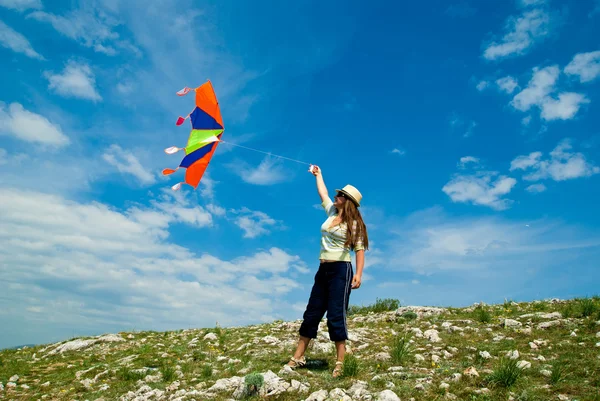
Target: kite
{"x":207,"y":129}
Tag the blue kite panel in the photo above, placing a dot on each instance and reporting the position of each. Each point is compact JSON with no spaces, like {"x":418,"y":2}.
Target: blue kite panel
{"x":202,"y":120}
{"x":196,"y":155}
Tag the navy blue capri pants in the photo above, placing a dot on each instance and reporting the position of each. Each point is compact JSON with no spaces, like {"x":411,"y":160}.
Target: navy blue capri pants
{"x":330,"y":293}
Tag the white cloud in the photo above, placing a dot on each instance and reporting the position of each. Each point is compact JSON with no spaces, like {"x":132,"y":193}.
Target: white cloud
{"x":465,"y":160}
{"x":539,"y":87}
{"x":21,"y":5}
{"x":122,"y":272}
{"x":480,"y":189}
{"x":536,"y":188}
{"x":91,"y":26}
{"x":77,"y":80}
{"x":254,"y":223}
{"x":507,"y":84}
{"x":16,"y":42}
{"x":127,"y":162}
{"x":399,"y":151}
{"x":482,"y":85}
{"x":268,"y":172}
{"x":560,"y":166}
{"x":585,"y":65}
{"x":565,"y":108}
{"x":30,"y":127}
{"x":522,"y":33}
{"x":538,"y":93}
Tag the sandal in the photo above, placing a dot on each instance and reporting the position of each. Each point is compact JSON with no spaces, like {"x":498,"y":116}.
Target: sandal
{"x":338,"y":369}
{"x":297,"y":362}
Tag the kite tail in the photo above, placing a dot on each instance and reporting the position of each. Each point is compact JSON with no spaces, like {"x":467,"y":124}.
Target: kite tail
{"x":169,"y":171}
{"x":184,"y":91}
{"x":172,"y":150}
{"x":177,"y":186}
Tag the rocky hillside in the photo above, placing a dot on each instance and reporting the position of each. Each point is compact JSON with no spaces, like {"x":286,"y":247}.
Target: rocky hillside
{"x":546,"y":350}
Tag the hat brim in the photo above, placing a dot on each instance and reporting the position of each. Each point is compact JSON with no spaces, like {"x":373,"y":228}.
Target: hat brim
{"x":349,"y":196}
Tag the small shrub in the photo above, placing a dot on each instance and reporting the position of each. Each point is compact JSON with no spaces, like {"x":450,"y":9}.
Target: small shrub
{"x":350,"y":367}
{"x":127,"y":374}
{"x":410,"y":315}
{"x":506,"y":373}
{"x":207,"y":371}
{"x":381,"y":305}
{"x":400,"y":349}
{"x":559,"y":373}
{"x":540,"y":306}
{"x":385,"y":305}
{"x":568,"y":311}
{"x":168,"y":373}
{"x":482,"y":315}
{"x":587,"y":307}
{"x":254,"y":382}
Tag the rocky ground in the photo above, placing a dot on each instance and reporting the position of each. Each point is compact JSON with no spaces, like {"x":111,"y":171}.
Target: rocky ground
{"x":545,"y":350}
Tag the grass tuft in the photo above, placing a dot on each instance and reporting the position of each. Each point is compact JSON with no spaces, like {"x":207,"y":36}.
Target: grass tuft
{"x":381,"y":305}
{"x":401,"y":349}
{"x":482,"y":315}
{"x":506,"y":373}
{"x":351,"y":366}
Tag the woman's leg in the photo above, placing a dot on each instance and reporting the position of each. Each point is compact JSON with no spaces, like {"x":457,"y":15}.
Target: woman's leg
{"x":315,"y":310}
{"x":339,"y":287}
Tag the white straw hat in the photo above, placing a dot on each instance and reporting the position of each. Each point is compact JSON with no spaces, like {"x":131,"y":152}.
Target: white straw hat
{"x":352,"y":193}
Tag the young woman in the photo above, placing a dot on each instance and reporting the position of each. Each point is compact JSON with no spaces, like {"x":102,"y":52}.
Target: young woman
{"x":343,"y":231}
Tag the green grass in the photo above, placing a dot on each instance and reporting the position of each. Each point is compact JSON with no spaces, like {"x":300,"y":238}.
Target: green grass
{"x":574,"y":366}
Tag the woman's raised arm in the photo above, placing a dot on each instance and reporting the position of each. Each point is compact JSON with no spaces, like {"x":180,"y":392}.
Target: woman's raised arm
{"x":321,"y":188}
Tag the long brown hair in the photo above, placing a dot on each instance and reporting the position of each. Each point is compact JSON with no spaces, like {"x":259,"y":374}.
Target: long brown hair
{"x":350,"y":215}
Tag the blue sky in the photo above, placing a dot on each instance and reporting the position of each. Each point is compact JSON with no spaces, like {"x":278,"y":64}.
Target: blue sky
{"x":471,"y":128}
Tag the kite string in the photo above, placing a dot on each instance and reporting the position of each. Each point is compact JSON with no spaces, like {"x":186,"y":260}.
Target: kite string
{"x":267,"y":153}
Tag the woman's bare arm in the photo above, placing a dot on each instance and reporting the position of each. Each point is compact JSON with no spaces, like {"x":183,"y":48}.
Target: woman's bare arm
{"x":321,"y":188}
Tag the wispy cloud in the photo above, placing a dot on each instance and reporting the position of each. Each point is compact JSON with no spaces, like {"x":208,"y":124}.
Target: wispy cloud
{"x":21,"y":5}
{"x":536,"y":188}
{"x":255,"y":223}
{"x":465,"y":127}
{"x":27,"y":126}
{"x":461,"y":10}
{"x":482,"y":85}
{"x":398,"y":151}
{"x":585,"y":65}
{"x":467,"y":160}
{"x":563,"y":164}
{"x":77,"y":80}
{"x":16,"y":42}
{"x":539,"y":92}
{"x":126,"y":162}
{"x":430,"y":242}
{"x":91,"y":26}
{"x":522,"y":33}
{"x":268,"y":172}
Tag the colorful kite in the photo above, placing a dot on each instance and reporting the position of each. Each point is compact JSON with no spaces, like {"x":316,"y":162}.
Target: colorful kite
{"x":207,"y":128}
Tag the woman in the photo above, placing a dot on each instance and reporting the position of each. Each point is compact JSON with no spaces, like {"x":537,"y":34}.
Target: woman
{"x":343,"y":231}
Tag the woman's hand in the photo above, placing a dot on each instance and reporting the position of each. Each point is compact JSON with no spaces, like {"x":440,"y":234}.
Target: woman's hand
{"x":356,"y":281}
{"x":316,"y":171}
